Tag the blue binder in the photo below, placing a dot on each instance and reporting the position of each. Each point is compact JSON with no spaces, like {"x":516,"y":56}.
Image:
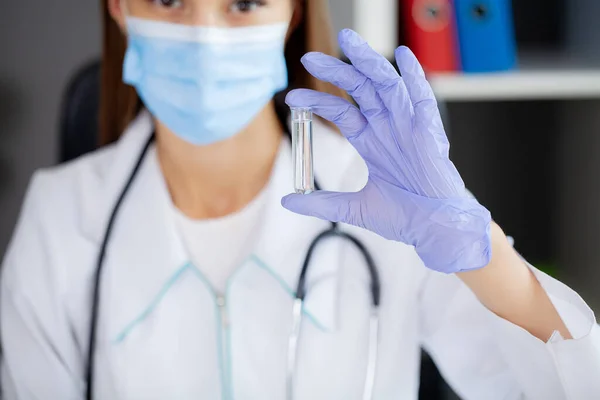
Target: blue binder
{"x":486,"y":35}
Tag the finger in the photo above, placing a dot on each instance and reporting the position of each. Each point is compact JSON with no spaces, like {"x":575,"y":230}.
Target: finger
{"x":419,"y":89}
{"x":423,"y":100}
{"x":386,"y":80}
{"x":341,"y":112}
{"x":346,"y":77}
{"x":329,"y":206}
{"x":366,"y":60}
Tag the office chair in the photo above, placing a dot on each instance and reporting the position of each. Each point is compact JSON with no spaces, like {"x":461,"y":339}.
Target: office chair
{"x":79,"y":113}
{"x":79,"y":135}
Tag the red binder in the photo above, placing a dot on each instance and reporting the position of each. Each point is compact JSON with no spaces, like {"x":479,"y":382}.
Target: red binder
{"x":431,"y":33}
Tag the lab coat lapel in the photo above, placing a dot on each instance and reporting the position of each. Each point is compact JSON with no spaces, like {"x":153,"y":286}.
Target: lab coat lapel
{"x":284,"y":241}
{"x":144,"y":252}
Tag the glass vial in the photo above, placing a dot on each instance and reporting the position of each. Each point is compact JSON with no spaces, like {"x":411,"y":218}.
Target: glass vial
{"x":302,"y":150}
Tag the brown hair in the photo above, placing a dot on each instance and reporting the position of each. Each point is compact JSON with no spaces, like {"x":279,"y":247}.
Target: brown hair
{"x":119,"y":102}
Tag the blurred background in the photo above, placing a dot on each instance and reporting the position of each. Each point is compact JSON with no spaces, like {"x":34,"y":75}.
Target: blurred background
{"x":526,"y":140}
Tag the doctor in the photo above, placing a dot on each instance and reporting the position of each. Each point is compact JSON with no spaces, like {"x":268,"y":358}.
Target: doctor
{"x":163,"y":266}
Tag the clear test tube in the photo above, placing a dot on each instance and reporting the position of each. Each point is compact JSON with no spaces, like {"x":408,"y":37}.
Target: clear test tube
{"x":302,"y":150}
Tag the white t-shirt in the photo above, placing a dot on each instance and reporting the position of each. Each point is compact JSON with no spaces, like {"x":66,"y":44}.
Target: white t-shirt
{"x":217,"y":247}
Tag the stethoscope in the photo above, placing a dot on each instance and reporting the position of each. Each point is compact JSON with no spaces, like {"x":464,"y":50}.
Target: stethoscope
{"x":332,"y":231}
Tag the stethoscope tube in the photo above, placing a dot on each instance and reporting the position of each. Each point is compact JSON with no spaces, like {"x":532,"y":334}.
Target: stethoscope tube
{"x":89,"y":376}
{"x":333,"y":231}
{"x":298,"y":305}
{"x":300,"y":295}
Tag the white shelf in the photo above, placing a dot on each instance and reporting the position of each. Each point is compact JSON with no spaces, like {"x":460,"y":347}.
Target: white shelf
{"x":541,"y":76}
{"x":518,"y":85}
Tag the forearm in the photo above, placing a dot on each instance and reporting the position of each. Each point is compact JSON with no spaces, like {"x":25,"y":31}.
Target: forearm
{"x":508,"y":288}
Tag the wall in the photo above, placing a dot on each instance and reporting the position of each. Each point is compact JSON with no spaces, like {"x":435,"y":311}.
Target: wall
{"x":342,"y":14}
{"x":583,"y":32}
{"x":42,"y":43}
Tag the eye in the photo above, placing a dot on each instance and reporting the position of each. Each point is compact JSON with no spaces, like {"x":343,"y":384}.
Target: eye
{"x":245,"y":6}
{"x":168,"y":3}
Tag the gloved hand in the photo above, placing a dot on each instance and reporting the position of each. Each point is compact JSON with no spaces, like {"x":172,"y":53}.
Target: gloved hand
{"x":414,"y":193}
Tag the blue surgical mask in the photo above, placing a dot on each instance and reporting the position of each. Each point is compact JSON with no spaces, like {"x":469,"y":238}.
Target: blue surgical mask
{"x":205,"y":83}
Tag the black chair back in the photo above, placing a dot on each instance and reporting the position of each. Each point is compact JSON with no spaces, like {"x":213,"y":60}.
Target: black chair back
{"x":79,"y":114}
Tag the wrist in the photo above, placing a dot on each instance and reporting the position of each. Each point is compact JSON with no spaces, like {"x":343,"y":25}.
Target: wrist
{"x":509,"y":289}
{"x":505,"y":281}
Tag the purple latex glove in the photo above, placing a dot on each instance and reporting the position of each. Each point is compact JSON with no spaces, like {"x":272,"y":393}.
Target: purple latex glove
{"x":414,"y":193}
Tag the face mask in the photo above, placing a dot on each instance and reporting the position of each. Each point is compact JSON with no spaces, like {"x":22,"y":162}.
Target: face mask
{"x":205,"y":83}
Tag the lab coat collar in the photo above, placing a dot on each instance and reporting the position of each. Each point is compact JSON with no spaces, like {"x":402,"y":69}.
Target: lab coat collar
{"x":145,"y":250}
{"x":286,"y":236}
{"x":122,"y":161}
{"x":284,"y":241}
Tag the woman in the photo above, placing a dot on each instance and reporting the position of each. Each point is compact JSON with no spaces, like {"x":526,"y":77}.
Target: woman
{"x":197,"y":262}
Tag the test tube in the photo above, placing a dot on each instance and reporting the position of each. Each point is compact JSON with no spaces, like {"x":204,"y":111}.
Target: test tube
{"x":302,"y":150}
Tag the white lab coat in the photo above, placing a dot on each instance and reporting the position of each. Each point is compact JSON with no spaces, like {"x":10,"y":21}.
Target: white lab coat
{"x":161,"y":334}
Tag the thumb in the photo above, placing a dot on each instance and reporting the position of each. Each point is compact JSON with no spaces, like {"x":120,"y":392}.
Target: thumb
{"x":330,"y":206}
